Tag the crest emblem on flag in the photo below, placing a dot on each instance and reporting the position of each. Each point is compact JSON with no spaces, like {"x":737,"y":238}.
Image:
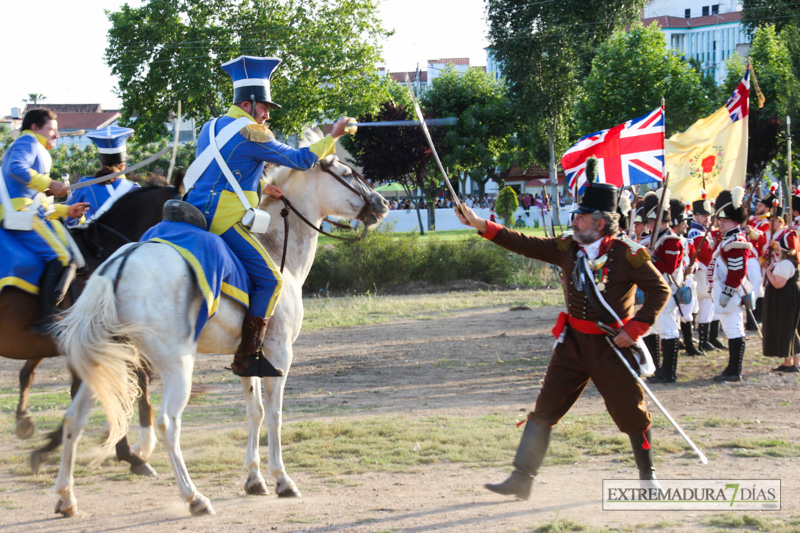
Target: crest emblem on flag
{"x":630,"y":153}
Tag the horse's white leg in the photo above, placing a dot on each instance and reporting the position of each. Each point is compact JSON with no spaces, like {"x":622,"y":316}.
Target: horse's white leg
{"x":255,"y":483}
{"x":177,"y":387}
{"x":273,"y":388}
{"x":145,"y":443}
{"x":75,"y":420}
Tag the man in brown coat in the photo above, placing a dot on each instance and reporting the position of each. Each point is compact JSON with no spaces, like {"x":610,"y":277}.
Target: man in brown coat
{"x":619,"y":265}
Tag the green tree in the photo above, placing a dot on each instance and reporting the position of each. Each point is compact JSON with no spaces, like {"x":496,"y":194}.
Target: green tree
{"x":778,"y":13}
{"x":545,"y":49}
{"x":482,"y":144}
{"x":169,"y":50}
{"x":631,"y":73}
{"x":772,"y":65}
{"x":506,"y":204}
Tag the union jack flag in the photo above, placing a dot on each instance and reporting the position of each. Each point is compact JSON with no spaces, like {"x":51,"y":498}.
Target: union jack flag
{"x":739,"y":103}
{"x":627,"y":154}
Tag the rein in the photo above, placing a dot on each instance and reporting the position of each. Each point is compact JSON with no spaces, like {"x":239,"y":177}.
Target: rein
{"x":287,"y":207}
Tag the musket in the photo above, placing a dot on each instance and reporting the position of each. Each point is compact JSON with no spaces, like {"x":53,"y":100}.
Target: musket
{"x":657,"y":227}
{"x":746,"y":304}
{"x":755,"y":188}
{"x":449,"y":121}
{"x":424,"y":127}
{"x":611,"y":332}
{"x":110,"y":177}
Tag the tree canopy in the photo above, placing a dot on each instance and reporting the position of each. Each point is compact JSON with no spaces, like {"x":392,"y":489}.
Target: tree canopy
{"x":170,"y":50}
{"x":631,"y":73}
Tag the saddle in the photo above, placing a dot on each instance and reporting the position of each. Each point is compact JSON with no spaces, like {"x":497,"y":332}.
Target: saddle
{"x":180,"y":211}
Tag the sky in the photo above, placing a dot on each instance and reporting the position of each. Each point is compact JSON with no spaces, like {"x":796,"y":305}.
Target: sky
{"x":63,"y":60}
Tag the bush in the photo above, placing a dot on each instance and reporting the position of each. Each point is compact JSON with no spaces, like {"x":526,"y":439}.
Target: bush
{"x":388,"y":261}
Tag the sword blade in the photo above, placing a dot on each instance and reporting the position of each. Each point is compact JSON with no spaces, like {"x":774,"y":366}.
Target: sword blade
{"x":450,"y":121}
{"x":137,"y":166}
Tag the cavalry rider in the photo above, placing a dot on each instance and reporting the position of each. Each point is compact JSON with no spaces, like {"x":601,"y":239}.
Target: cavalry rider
{"x":244,"y":145}
{"x":26,"y":168}
{"x":110,"y":142}
{"x":667,"y":256}
{"x":581,"y":354}
{"x":702,"y":241}
{"x":730,"y":271}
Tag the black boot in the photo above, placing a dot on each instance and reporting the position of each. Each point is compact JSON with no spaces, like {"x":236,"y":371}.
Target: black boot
{"x":713,"y":336}
{"x":643,"y":454}
{"x":703,"y":344}
{"x":53,"y":286}
{"x":688,"y":341}
{"x":249,"y":360}
{"x":735,"y":360}
{"x":652,"y":342}
{"x":669,"y":366}
{"x":530,"y":454}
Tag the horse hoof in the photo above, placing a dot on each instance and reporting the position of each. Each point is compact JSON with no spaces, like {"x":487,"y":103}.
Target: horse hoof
{"x":200,"y":506}
{"x":143,"y":469}
{"x":257,"y":489}
{"x":67,"y":508}
{"x":289,"y":491}
{"x":37,"y":460}
{"x":25,"y":428}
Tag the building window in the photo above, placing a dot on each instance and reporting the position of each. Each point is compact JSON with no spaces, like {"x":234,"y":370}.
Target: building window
{"x":687,"y":13}
{"x":705,"y":11}
{"x":715,"y":9}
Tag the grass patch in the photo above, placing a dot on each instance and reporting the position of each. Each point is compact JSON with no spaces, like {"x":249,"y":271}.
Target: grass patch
{"x":368,"y":309}
{"x":761,"y":448}
{"x":738,"y":520}
{"x":560,"y":525}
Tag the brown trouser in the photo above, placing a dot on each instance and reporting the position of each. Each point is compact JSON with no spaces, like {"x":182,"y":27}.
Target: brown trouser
{"x":575,"y":361}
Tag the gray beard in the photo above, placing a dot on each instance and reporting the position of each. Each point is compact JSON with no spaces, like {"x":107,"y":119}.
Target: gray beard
{"x":587,"y":236}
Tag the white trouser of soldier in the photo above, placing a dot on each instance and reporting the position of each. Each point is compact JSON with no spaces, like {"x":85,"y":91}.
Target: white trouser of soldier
{"x":730,"y":316}
{"x":667,"y":323}
{"x":687,"y":310}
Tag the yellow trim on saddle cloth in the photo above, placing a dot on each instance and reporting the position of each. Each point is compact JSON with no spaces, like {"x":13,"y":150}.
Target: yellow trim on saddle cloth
{"x":236,"y":293}
{"x":256,"y":244}
{"x":205,"y":288}
{"x":11,"y":281}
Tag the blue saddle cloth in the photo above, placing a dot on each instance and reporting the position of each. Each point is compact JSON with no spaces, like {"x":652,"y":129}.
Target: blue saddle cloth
{"x":215,"y":267}
{"x":19,"y":267}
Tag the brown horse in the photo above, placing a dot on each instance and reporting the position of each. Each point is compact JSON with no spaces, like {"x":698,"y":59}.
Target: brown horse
{"x":126,"y":221}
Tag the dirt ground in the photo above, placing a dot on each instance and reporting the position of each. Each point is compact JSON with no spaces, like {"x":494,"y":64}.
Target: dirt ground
{"x":398,"y":369}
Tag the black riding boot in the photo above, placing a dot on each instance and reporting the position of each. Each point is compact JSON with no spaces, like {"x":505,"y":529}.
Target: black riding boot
{"x":52,"y":289}
{"x":669,"y":366}
{"x":735,"y":360}
{"x":530,"y":454}
{"x":713,"y":336}
{"x":688,"y":341}
{"x":643,"y":454}
{"x":249,"y":360}
{"x":652,"y":342}
{"x":703,"y":344}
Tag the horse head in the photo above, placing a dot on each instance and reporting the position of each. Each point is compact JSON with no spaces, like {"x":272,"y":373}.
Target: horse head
{"x":333,"y":187}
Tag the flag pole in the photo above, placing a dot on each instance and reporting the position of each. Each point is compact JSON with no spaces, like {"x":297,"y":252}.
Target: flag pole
{"x":789,"y":146}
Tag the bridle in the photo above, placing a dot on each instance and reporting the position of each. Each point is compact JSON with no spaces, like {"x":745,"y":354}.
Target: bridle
{"x":362,"y":190}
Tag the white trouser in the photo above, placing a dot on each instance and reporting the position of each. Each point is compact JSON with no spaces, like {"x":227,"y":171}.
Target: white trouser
{"x":705,"y":310}
{"x":666,"y":324}
{"x":687,"y":310}
{"x":732,"y":324}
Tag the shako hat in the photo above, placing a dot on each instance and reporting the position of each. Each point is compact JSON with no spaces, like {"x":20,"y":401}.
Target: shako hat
{"x":729,"y":205}
{"x":250,"y":77}
{"x":651,"y":201}
{"x":677,"y":211}
{"x":110,"y":142}
{"x":702,"y":206}
{"x":596,"y":196}
{"x":770,"y":199}
{"x":796,"y":200}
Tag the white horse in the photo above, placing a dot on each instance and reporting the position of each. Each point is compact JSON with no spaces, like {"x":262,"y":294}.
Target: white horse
{"x":152,"y":312}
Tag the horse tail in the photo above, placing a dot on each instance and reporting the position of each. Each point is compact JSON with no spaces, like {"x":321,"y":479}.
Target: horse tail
{"x":99,"y":351}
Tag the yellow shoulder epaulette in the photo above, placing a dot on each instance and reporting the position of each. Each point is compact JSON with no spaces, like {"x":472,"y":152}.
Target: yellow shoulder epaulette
{"x":636,"y":254}
{"x":259,"y":133}
{"x":564,"y":242}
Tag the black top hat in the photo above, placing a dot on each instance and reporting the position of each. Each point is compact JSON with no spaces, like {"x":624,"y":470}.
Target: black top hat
{"x":596,"y":196}
{"x":729,"y":205}
{"x":651,"y":201}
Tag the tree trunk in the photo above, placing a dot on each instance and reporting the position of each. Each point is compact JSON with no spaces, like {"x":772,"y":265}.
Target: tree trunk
{"x":419,"y":218}
{"x":432,"y":214}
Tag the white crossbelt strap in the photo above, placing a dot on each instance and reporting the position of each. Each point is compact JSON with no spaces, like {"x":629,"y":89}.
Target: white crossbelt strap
{"x":200,"y":164}
{"x":212,"y":144}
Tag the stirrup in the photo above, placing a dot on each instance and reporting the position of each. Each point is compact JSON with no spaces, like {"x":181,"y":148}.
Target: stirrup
{"x":257,"y":366}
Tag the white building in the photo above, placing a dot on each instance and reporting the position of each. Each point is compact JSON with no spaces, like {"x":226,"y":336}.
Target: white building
{"x":422,"y":79}
{"x":709,"y":33}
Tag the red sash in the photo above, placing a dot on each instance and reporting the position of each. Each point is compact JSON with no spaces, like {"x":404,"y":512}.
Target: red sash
{"x":584,"y":326}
